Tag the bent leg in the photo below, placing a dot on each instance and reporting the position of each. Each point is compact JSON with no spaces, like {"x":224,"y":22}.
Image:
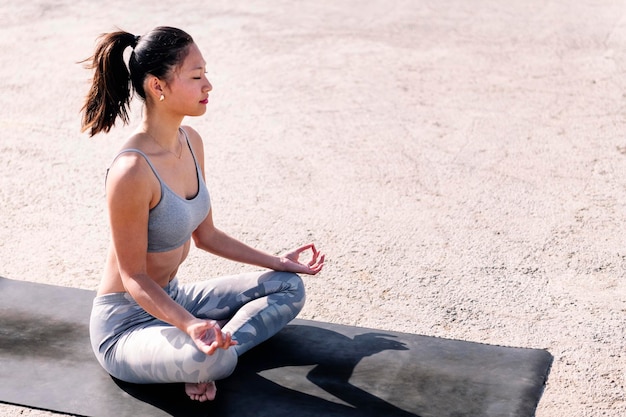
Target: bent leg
{"x":161,"y":353}
{"x":255,"y":305}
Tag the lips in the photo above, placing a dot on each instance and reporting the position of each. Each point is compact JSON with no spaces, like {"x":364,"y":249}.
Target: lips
{"x":205,"y":101}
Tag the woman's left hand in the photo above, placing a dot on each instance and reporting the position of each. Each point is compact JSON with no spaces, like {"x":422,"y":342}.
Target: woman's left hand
{"x":290,"y":261}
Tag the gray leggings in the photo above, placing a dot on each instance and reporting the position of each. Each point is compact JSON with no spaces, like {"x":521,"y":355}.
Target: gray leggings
{"x":135,"y":347}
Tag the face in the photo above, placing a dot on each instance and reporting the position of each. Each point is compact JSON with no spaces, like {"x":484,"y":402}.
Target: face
{"x":187,"y":90}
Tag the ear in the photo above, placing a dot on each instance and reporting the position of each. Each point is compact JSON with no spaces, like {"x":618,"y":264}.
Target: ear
{"x":154,"y":87}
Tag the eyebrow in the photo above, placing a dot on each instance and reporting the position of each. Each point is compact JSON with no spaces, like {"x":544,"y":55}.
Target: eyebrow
{"x":199,"y":67}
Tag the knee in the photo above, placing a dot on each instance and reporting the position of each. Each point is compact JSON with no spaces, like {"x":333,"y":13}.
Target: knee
{"x":288,"y":285}
{"x":298,"y":292}
{"x":295,"y":286}
{"x":295,"y":280}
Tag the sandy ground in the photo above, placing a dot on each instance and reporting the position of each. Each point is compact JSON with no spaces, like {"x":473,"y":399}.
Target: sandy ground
{"x":462,"y":163}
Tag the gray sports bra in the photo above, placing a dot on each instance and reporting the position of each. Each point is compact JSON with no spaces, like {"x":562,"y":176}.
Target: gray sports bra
{"x":172,"y":221}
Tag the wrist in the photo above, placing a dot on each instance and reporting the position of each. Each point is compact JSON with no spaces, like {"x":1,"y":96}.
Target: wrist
{"x":189,"y":325}
{"x":278,"y":264}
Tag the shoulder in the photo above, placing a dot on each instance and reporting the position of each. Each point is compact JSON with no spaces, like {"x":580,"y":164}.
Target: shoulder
{"x":129,"y":162}
{"x":194,"y":139}
{"x":131,"y":159}
{"x":129,"y":170}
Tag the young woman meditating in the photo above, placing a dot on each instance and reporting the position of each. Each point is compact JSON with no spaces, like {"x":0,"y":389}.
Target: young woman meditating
{"x":146,"y":326}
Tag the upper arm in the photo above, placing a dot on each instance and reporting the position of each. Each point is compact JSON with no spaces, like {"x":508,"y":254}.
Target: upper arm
{"x":129,"y":196}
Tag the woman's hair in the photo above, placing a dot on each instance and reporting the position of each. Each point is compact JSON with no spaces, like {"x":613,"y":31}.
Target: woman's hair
{"x":156,"y":53}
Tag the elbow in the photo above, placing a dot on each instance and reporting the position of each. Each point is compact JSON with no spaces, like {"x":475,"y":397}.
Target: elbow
{"x":130,"y":283}
{"x":203,"y":242}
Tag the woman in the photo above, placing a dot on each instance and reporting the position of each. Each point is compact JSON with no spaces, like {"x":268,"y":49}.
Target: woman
{"x":145,"y":326}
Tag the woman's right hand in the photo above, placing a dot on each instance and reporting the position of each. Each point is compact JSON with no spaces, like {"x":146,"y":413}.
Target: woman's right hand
{"x":208,"y":336}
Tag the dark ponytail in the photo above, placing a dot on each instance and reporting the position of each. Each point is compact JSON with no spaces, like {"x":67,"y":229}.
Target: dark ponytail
{"x":156,"y":53}
{"x":109,"y":95}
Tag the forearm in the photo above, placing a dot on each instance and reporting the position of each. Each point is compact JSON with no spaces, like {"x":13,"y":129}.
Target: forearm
{"x":152,"y":298}
{"x":221,"y":244}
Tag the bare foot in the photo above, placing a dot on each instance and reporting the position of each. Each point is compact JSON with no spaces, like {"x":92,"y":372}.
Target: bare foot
{"x":204,"y":391}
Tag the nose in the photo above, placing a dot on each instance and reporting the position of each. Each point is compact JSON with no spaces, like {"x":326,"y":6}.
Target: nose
{"x":208,"y":87}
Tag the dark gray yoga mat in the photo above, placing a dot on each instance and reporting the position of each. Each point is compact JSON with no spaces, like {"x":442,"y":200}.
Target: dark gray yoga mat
{"x":308,"y":369}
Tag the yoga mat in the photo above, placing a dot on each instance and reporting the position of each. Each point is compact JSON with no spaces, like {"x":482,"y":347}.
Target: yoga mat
{"x":308,"y":369}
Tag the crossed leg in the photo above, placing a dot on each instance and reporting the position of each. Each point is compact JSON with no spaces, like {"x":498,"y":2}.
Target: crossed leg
{"x":252,"y":307}
{"x":255,"y":319}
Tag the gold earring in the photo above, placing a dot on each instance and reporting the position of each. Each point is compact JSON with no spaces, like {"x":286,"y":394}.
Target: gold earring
{"x":162,"y":97}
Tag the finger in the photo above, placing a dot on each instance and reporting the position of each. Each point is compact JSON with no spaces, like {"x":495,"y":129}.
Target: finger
{"x":225,"y":341}
{"x":313,"y":260}
{"x":304,"y":248}
{"x":230,"y":340}
{"x":210,"y":349}
{"x":218,"y":337}
{"x":317,"y":259}
{"x":318,"y":267}
{"x":320,"y":260}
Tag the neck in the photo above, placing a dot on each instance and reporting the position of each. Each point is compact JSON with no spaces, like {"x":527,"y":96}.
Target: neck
{"x":162,"y":126}
{"x":167,"y":141}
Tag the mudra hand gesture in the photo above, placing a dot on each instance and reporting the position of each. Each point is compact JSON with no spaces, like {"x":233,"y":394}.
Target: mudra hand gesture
{"x":208,"y":336}
{"x":290,"y":260}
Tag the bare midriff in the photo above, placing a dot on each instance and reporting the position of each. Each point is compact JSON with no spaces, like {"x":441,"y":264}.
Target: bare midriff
{"x":161,"y":267}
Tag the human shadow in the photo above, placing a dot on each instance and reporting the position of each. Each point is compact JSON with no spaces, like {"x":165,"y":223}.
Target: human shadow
{"x":304,"y":370}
